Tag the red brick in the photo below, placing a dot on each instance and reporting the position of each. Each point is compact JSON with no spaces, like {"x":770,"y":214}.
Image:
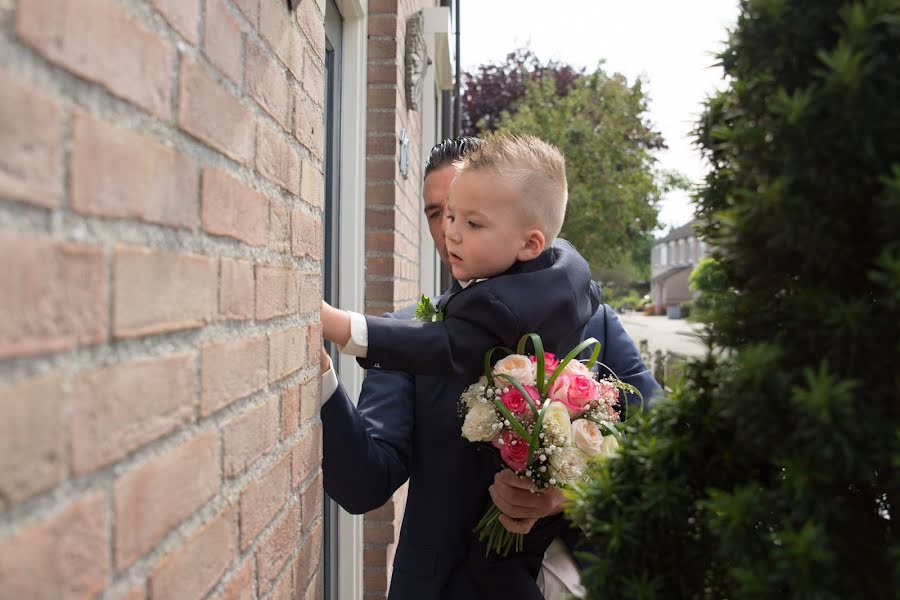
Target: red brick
{"x":31,"y":169}
{"x":315,"y":590}
{"x":236,"y":289}
{"x":275,"y":550}
{"x":209,"y":112}
{"x":314,"y":81}
{"x":290,"y":411}
{"x":284,"y":589}
{"x":266,"y":83}
{"x":375,"y":582}
{"x":249,"y":435}
{"x":381,"y":121}
{"x":100,"y":41}
{"x":262,"y":499}
{"x":118,"y":173}
{"x":381,"y":194}
{"x":382,"y":6}
{"x":287,"y":352}
{"x":381,"y":145}
{"x":306,"y":565}
{"x":310,"y":292}
{"x":314,"y":345}
{"x":120,"y":408}
{"x":276,"y":159}
{"x":222,"y":40}
{"x":306,"y":234}
{"x":52,"y":296}
{"x":383,"y":97}
{"x":310,"y":399}
{"x":276,"y":292}
{"x":382,"y":49}
{"x":310,"y":126}
{"x":383,"y":73}
{"x":231,"y":370}
{"x":307,"y":455}
{"x":241,"y":585}
{"x":276,"y":27}
{"x":31,"y":437}
{"x":311,"y":502}
{"x":182,"y":15}
{"x":378,"y":532}
{"x":230,"y":207}
{"x":383,"y":24}
{"x":312,"y":23}
{"x":377,"y":168}
{"x":156,"y":292}
{"x":375,"y":557}
{"x":312,"y":188}
{"x":64,"y":556}
{"x":153,"y":498}
{"x":194,"y":568}
{"x":280,"y":227}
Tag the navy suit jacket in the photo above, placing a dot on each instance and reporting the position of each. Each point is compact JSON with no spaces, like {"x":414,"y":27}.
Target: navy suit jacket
{"x":552,"y":295}
{"x":406,"y":427}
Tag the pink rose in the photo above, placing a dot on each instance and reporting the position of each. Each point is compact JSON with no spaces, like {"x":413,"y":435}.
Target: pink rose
{"x":550,"y":362}
{"x":513,"y":450}
{"x":575,"y":391}
{"x":515,"y":402}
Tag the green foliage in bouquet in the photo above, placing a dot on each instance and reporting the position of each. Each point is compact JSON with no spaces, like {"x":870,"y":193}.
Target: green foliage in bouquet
{"x":773,"y":470}
{"x":426,"y":311}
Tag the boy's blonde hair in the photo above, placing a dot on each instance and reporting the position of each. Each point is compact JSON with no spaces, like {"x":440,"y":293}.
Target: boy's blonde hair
{"x":536,"y":169}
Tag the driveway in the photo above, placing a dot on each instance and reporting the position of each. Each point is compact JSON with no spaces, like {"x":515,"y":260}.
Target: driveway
{"x":664,"y":334}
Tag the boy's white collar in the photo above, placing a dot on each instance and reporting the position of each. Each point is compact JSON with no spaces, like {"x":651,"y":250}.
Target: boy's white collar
{"x":465,"y":284}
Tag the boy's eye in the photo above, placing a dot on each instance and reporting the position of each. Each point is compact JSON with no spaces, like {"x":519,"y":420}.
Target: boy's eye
{"x":474,"y":225}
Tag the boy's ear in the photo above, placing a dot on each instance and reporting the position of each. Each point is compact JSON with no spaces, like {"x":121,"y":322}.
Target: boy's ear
{"x":534,"y":245}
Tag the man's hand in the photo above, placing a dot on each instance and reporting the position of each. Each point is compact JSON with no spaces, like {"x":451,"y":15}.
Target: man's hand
{"x":520,"y":502}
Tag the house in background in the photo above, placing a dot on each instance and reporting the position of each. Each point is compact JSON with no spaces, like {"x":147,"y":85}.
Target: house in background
{"x":673,"y":259}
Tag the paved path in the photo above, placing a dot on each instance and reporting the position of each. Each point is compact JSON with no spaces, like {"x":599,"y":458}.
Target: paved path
{"x":661,"y":333}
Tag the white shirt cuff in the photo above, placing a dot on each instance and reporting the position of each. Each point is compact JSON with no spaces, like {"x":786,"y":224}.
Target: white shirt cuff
{"x":358,"y":345}
{"x":329,"y":382}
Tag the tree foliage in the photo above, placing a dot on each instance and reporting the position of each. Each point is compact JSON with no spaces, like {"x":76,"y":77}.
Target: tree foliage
{"x":773,"y":469}
{"x":494,"y":89}
{"x":601,"y":127}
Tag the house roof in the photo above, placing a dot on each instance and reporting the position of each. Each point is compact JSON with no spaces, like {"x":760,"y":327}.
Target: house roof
{"x":678,"y":233}
{"x":669,"y":272}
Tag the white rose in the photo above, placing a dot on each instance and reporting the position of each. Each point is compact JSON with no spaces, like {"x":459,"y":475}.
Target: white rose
{"x":568,"y":465}
{"x":477,"y":425}
{"x":557,"y":428}
{"x":586,"y":437}
{"x":474,"y":392}
{"x":576,"y":367}
{"x":516,"y":366}
{"x":610,"y":445}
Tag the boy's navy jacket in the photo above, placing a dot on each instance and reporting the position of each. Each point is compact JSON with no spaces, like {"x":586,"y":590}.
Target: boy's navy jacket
{"x":551,"y":295}
{"x":407,"y":427}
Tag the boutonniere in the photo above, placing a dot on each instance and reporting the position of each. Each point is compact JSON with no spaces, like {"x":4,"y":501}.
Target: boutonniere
{"x":426,"y":311}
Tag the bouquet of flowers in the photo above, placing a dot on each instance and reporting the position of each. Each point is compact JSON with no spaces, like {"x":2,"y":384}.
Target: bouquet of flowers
{"x":547,"y":418}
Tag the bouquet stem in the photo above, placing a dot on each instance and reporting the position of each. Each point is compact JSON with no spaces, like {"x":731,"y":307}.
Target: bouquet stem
{"x":498,"y":538}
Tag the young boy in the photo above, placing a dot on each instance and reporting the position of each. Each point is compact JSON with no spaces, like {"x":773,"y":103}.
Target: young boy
{"x":506,"y":207}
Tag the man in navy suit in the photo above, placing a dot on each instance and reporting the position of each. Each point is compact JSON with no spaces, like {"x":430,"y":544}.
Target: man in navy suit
{"x":407,"y":427}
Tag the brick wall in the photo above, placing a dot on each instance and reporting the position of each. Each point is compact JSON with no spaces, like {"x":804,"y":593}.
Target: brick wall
{"x":393,"y":223}
{"x":161,"y":195}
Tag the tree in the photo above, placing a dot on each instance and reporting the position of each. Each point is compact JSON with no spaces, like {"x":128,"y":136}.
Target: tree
{"x":601,"y":127}
{"x":495,"y":88}
{"x":773,"y":469}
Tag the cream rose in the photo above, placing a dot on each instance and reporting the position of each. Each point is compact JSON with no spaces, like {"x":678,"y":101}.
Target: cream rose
{"x":576,"y":367}
{"x":477,"y":425}
{"x":586,"y":437}
{"x":557,"y":428}
{"x":610,"y":445}
{"x":516,"y":366}
{"x":567,"y":465}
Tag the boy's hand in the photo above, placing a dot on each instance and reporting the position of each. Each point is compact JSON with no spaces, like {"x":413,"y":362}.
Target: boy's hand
{"x":520,"y":502}
{"x":335,"y":324}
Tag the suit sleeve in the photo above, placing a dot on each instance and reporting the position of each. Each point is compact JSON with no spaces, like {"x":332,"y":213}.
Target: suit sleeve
{"x":620,"y":354}
{"x":453,"y":346}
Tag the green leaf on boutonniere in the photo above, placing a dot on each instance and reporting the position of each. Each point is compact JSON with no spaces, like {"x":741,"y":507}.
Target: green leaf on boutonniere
{"x":426,"y":311}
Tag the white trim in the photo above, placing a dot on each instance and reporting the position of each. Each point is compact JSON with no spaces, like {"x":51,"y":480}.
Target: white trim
{"x":352,"y":251}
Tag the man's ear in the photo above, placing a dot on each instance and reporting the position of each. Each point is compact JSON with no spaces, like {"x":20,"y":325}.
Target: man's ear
{"x":534,"y":245}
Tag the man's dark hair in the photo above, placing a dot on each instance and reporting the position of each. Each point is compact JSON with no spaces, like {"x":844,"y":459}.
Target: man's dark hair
{"x":450,"y":151}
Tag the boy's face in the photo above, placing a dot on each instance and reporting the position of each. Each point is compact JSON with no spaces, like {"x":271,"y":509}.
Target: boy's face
{"x":486,"y":232}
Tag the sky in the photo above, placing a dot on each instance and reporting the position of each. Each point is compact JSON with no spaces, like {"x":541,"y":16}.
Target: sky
{"x":671,"y":44}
